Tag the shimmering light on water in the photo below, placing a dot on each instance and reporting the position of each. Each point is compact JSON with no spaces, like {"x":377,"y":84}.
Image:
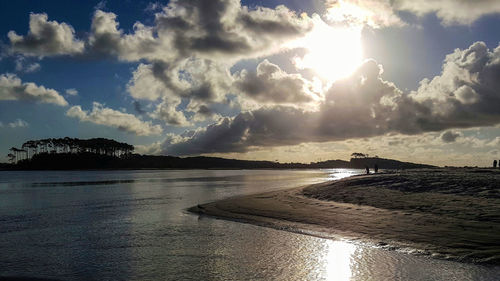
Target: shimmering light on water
{"x":337,"y":174}
{"x":133,"y":225}
{"x":337,"y":259}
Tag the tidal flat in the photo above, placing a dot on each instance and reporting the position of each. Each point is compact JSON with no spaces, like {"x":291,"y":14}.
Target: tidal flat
{"x":445,"y":213}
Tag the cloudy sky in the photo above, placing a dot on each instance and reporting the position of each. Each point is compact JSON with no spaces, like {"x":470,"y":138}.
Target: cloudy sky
{"x":274,"y":80}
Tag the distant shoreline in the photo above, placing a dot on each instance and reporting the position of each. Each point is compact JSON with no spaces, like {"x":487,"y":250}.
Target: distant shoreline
{"x":92,"y":161}
{"x":443,"y":222}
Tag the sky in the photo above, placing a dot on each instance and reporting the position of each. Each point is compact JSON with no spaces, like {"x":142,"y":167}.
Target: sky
{"x":284,"y":81}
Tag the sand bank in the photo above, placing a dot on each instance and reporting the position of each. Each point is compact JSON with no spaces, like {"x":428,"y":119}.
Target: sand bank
{"x":445,"y":213}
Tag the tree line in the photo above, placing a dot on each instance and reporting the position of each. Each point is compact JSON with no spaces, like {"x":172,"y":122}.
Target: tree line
{"x":361,"y":155}
{"x":100,"y":146}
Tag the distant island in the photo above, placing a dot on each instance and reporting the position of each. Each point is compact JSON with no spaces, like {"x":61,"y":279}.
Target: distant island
{"x":100,"y":153}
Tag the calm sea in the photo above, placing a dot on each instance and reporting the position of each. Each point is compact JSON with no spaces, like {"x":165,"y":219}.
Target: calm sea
{"x":133,"y":225}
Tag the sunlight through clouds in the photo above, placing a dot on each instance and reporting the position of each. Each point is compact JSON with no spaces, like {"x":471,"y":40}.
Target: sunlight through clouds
{"x":332,"y":52}
{"x":231,"y":76}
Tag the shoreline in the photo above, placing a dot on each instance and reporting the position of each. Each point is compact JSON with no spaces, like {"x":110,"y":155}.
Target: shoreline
{"x":416,"y":230}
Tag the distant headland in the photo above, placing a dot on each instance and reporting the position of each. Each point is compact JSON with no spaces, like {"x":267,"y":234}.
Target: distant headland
{"x":100,"y":153}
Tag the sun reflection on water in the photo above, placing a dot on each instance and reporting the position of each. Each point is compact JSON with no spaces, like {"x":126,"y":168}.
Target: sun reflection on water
{"x":337,"y":174}
{"x":338,"y":260}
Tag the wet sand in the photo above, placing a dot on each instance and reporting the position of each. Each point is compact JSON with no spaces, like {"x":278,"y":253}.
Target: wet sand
{"x":446,"y":213}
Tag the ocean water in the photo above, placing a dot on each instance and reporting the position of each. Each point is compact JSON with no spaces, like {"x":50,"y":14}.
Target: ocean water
{"x":133,"y":225}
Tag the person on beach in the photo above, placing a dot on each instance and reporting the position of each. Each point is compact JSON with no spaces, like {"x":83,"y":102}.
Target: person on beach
{"x":376,"y":168}
{"x":367,"y":170}
{"x":494,"y":163}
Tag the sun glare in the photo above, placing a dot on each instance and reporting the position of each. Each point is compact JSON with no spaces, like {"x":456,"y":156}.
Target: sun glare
{"x":332,"y":52}
{"x":338,"y":260}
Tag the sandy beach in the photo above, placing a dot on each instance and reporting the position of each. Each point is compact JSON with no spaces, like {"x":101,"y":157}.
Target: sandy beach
{"x":446,"y":213}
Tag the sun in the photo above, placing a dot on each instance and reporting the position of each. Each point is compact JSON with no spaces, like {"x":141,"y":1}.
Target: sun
{"x":332,"y":52}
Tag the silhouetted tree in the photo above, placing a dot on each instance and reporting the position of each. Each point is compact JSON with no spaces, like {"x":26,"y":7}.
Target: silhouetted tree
{"x":72,"y":145}
{"x":358,"y":155}
{"x":18,"y":153}
{"x":11,"y":157}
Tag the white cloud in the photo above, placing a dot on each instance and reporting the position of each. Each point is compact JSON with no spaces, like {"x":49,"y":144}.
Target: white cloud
{"x":12,"y":88}
{"x":188,"y":49}
{"x":152,"y":149}
{"x":153,"y":6}
{"x":202,"y":111}
{"x":382,"y":13}
{"x":450,"y":11}
{"x":217,"y":30}
{"x":153,"y":81}
{"x":364,"y":105}
{"x":46,"y":38}
{"x":226,"y":29}
{"x":465,"y":94}
{"x":71,"y":92}
{"x":186,"y":54}
{"x":107,"y":39}
{"x":375,"y":13}
{"x":23,"y":66}
{"x":494,"y":142}
{"x":18,"y":123}
{"x":109,"y":117}
{"x":100,"y":5}
{"x":197,"y":81}
{"x":269,"y":84}
{"x":167,"y":112}
{"x":150,"y":82}
{"x":32,"y":67}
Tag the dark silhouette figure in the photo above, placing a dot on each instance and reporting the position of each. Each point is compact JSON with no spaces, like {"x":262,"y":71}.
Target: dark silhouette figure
{"x":494,"y":163}
{"x":376,"y":168}
{"x":367,"y":170}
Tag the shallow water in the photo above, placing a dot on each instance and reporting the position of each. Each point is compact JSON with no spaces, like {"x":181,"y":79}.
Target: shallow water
{"x":132,"y":225}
